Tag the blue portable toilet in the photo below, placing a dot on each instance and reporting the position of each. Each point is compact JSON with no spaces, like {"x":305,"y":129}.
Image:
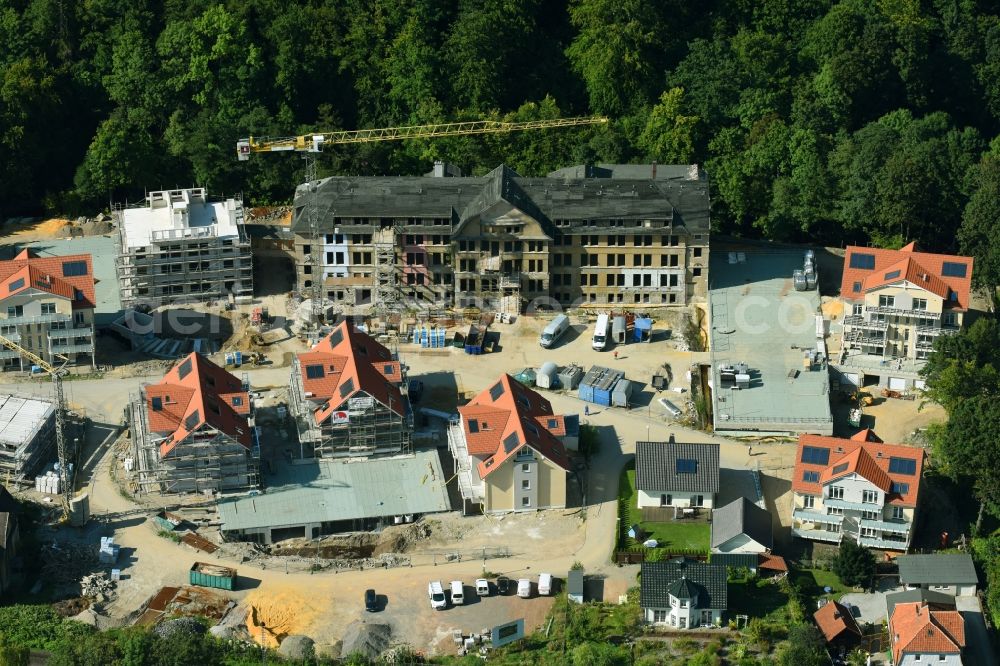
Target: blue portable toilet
{"x":238,"y":359}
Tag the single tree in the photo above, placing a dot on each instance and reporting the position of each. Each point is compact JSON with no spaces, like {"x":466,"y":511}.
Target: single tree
{"x":854,"y":564}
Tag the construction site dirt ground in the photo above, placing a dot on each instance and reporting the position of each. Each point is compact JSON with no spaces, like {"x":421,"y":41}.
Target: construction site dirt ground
{"x":548,"y":541}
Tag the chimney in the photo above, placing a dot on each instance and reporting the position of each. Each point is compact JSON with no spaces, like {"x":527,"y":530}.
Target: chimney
{"x":653,"y":175}
{"x":671,"y":440}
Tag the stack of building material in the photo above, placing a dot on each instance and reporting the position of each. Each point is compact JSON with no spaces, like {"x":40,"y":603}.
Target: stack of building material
{"x":48,"y":483}
{"x":109,"y":551}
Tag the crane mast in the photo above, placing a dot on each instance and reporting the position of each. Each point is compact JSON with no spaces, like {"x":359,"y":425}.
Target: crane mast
{"x":61,"y":449}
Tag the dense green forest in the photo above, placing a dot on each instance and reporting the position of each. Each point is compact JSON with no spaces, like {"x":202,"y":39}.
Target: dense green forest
{"x":852,"y":121}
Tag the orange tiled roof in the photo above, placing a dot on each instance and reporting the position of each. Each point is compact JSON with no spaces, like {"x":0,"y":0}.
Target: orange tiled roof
{"x":913,"y":266}
{"x":917,"y":629}
{"x":556,"y":424}
{"x":46,"y":274}
{"x":346,"y":362}
{"x":873,"y":465}
{"x":772,"y":562}
{"x":511,"y":411}
{"x":193,"y":393}
{"x":834,"y":619}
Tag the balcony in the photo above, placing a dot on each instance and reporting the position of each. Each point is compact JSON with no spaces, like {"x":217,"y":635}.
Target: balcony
{"x":900,"y":527}
{"x":9,"y":353}
{"x":817,"y":535}
{"x":73,"y":348}
{"x":900,"y":312}
{"x":884,"y":544}
{"x":13,"y":336}
{"x":850,"y":506}
{"x":80,"y":331}
{"x":860,"y":322}
{"x":470,"y":486}
{"x":816,"y":517}
{"x":937,"y":330}
{"x":860,"y":337}
{"x":38,"y":319}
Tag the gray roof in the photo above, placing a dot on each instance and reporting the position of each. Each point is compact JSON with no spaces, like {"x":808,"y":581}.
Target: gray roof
{"x":574,"y":582}
{"x":937,"y":569}
{"x":910,"y":596}
{"x":741,"y":516}
{"x":710,"y":580}
{"x":345,"y":491}
{"x":656,"y":467}
{"x":631,"y":171}
{"x":683,"y":201}
{"x":736,"y":560}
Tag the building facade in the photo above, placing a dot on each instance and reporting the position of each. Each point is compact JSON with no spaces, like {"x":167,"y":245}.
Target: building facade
{"x":47,"y":307}
{"x":348,"y":397}
{"x":896,"y":303}
{"x":183,"y":246}
{"x":607,"y":235}
{"x":193,"y":431}
{"x":507,"y":450}
{"x":860,"y":489}
{"x":679,"y":476}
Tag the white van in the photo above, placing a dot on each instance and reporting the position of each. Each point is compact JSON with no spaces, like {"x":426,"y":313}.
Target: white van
{"x":436,"y":594}
{"x":545,"y":584}
{"x":457,"y":593}
{"x":554,"y":331}
{"x":524,"y":588}
{"x":600,"y":340}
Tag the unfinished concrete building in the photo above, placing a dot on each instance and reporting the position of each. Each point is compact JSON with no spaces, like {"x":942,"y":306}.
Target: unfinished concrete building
{"x":347,"y":395}
{"x":608,"y":235}
{"x":194,"y":431}
{"x":47,"y":307}
{"x":182,"y":246}
{"x":27,"y":437}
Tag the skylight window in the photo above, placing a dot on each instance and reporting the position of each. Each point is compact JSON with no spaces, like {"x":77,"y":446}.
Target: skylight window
{"x":184,"y":369}
{"x":842,"y":467}
{"x":74,"y":268}
{"x":336,"y":337}
{"x":16,"y":284}
{"x":553,"y":423}
{"x":810,"y":477}
{"x":954,"y":269}
{"x":192,"y":421}
{"x":892,"y":275}
{"x":902,"y":466}
{"x":237,"y":401}
{"x":863,"y":260}
{"x":511,"y":442}
{"x":687,"y":466}
{"x":157,"y":403}
{"x":496,"y":391}
{"x":815,"y":455}
{"x":473,"y":426}
{"x":857,"y":287}
{"x":314,"y":372}
{"x":388,"y":370}
{"x":899,"y":488}
{"x":347,"y":387}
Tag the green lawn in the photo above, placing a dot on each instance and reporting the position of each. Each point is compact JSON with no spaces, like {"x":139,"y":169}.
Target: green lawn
{"x":812,"y":582}
{"x":766,"y":602}
{"x":686,"y":536}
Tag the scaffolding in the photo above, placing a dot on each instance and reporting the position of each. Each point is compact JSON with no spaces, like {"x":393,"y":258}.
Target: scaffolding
{"x":386,"y":285}
{"x":27,"y":437}
{"x":206,"y":460}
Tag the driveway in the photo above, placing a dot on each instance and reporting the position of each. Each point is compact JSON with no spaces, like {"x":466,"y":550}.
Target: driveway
{"x":870,"y":607}
{"x":977,"y":639}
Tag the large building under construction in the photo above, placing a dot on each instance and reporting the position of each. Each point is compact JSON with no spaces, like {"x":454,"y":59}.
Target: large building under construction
{"x":27,"y":437}
{"x":182,"y":246}
{"x":193,"y":431}
{"x":347,"y":397}
{"x":594,"y":235}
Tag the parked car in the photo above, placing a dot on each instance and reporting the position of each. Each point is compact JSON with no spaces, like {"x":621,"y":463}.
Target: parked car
{"x":524,"y":588}
{"x":436,"y":594}
{"x":505,"y":585}
{"x":415,"y":389}
{"x":457,"y":593}
{"x":482,"y":587}
{"x":371,"y":601}
{"x":545,"y":584}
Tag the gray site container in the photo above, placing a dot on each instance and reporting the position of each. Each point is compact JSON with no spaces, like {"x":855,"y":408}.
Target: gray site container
{"x":622,"y":393}
{"x":618,"y":330}
{"x":570,"y":376}
{"x":547,"y":377}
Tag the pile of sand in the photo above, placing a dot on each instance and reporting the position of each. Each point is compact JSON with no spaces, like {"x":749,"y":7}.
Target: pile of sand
{"x":278,"y":613}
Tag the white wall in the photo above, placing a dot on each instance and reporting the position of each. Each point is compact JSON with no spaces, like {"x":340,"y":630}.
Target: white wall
{"x":853,"y":486}
{"x":652,"y":499}
{"x":740,"y":543}
{"x":927,"y":658}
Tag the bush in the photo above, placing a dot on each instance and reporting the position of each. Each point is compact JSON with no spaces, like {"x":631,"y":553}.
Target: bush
{"x":854,"y":565}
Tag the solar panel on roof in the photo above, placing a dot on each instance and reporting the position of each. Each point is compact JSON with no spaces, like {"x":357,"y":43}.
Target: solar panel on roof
{"x":347,"y":387}
{"x":815,"y":455}
{"x":863,"y":260}
{"x":496,"y":391}
{"x":687,"y":466}
{"x":74,"y":268}
{"x":511,"y":442}
{"x":314,"y":371}
{"x":954,"y":269}
{"x":192,"y":420}
{"x":902,"y":466}
{"x":336,"y":337}
{"x":184,"y":369}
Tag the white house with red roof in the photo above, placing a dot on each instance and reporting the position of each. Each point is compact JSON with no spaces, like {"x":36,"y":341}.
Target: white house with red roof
{"x":859,"y":488}
{"x":47,"y":306}
{"x":193,"y":431}
{"x":348,"y":397}
{"x":508,"y":451}
{"x":897,"y":302}
{"x":921,"y":632}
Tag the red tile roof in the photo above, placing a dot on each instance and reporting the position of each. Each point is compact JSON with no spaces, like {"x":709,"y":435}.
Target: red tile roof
{"x":204,"y":394}
{"x":772,"y":562}
{"x":869,"y":459}
{"x":915,"y":628}
{"x":46,"y":274}
{"x":913,"y":267}
{"x":346,"y":362}
{"x":511,"y":412}
{"x":834,"y":619}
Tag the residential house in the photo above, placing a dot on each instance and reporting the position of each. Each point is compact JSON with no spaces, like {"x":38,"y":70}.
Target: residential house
{"x":683,"y":593}
{"x":507,"y":453}
{"x":897,"y":302}
{"x":347,"y":395}
{"x":859,"y":488}
{"x":838,"y":626}
{"x":950,"y":573}
{"x":47,"y":307}
{"x":938,"y":600}
{"x":682,"y":477}
{"x":923,"y":633}
{"x":604,"y":235}
{"x":9,"y":537}
{"x":741,"y":527}
{"x":193,"y":431}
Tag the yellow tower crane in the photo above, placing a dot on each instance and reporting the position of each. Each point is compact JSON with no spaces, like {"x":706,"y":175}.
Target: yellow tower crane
{"x":56,"y":374}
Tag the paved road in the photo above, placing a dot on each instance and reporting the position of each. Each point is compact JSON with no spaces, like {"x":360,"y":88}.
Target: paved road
{"x":979,"y":648}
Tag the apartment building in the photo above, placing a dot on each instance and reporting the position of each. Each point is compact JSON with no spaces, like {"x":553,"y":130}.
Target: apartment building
{"x":897,"y":302}
{"x":859,"y":488}
{"x":348,"y":397}
{"x":508,"y":450}
{"x":605,"y":235}
{"x":193,"y":431}
{"x":47,"y":306}
{"x":183,"y":246}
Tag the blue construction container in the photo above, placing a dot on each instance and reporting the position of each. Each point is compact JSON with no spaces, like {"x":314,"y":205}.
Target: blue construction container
{"x":642,"y":329}
{"x":598,"y":384}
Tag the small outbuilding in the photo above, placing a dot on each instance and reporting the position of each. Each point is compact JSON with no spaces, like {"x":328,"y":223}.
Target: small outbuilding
{"x":574,"y":586}
{"x":837,"y":625}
